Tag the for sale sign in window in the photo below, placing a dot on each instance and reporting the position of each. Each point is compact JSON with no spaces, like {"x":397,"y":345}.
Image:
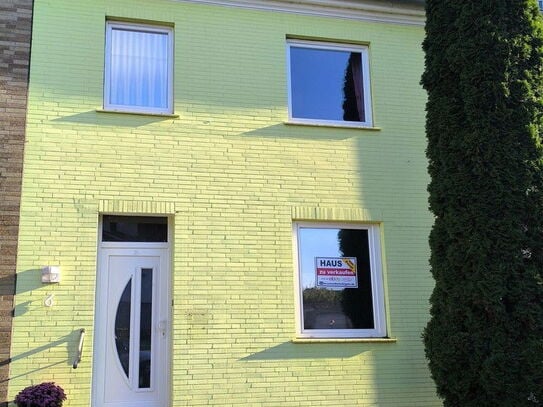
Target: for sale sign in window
{"x":336,"y":272}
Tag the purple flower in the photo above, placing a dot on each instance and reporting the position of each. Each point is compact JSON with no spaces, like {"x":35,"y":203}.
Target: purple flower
{"x":41,"y":395}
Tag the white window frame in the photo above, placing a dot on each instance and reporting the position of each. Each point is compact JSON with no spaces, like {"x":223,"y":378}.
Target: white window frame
{"x":366,"y":83}
{"x":110,"y":25}
{"x":378,"y":301}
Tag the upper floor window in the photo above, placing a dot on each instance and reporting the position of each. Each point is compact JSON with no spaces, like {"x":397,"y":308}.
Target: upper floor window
{"x":540,"y":3}
{"x":329,"y":83}
{"x":138,"y":68}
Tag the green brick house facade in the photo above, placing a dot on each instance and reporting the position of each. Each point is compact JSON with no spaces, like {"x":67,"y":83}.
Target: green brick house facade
{"x":231,"y":227}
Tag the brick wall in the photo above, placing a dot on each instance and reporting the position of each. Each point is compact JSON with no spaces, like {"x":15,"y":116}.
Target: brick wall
{"x":15,"y":29}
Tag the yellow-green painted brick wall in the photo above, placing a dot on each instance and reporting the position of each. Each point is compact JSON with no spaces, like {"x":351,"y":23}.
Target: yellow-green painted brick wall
{"x":233,"y":177}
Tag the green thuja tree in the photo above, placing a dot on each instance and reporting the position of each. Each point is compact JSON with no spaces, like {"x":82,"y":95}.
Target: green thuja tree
{"x":484,"y":62}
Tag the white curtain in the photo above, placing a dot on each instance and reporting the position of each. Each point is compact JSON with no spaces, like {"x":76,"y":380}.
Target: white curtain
{"x":138,"y":68}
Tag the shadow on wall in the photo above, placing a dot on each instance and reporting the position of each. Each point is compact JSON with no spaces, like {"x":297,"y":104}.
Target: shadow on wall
{"x":289,"y":350}
{"x":301,"y":132}
{"x":70,"y":341}
{"x":93,"y":117}
{"x":29,"y":280}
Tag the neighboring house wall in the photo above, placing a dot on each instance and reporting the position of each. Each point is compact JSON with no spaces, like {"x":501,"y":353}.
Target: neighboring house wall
{"x":15,"y":28}
{"x":233,"y":178}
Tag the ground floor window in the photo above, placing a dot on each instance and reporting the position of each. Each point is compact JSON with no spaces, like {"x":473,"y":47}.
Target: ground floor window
{"x":340,"y":284}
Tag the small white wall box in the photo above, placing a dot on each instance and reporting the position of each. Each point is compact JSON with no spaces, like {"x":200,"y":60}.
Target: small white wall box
{"x":50,"y":274}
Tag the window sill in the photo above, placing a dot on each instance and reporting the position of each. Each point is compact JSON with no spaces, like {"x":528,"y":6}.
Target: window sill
{"x":344,"y":340}
{"x":165,"y":115}
{"x":334,"y":125}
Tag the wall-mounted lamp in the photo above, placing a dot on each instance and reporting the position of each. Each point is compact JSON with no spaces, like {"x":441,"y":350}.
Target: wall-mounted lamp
{"x":50,"y":274}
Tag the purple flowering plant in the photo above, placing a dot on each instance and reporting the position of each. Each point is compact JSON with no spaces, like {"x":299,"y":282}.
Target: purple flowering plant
{"x":41,"y":395}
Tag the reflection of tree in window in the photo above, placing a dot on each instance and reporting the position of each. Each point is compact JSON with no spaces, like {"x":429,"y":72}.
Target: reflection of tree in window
{"x":122,"y":327}
{"x":357,"y":303}
{"x":146,"y":322}
{"x":353,"y":92}
{"x":134,"y":229}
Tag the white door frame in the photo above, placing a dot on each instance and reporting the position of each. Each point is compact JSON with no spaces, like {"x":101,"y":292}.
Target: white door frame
{"x":136,"y":249}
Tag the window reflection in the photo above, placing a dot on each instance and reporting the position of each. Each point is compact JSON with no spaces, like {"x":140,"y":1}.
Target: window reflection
{"x":335,"y":307}
{"x":326,"y":84}
{"x":146,"y":317}
{"x":122,"y":328}
{"x":134,"y":229}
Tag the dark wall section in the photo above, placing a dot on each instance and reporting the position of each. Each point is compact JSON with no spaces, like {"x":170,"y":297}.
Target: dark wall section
{"x":15,"y":36}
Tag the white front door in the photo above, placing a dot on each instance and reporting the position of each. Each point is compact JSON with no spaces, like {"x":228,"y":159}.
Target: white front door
{"x":131,"y":354}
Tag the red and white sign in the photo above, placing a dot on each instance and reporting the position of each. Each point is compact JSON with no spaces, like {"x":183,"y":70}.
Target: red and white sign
{"x":336,"y":272}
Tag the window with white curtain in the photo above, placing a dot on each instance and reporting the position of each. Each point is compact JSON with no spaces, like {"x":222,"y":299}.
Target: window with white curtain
{"x":138,"y":68}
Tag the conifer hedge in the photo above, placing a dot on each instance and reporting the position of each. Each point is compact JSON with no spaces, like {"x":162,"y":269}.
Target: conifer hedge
{"x":484,"y":78}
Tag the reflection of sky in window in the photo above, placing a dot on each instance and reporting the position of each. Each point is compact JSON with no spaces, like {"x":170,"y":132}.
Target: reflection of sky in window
{"x":317,"y":78}
{"x":316,"y":243}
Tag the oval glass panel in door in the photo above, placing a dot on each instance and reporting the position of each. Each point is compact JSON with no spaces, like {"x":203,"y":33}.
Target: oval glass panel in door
{"x":122,"y":327}
{"x":146,"y":323}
